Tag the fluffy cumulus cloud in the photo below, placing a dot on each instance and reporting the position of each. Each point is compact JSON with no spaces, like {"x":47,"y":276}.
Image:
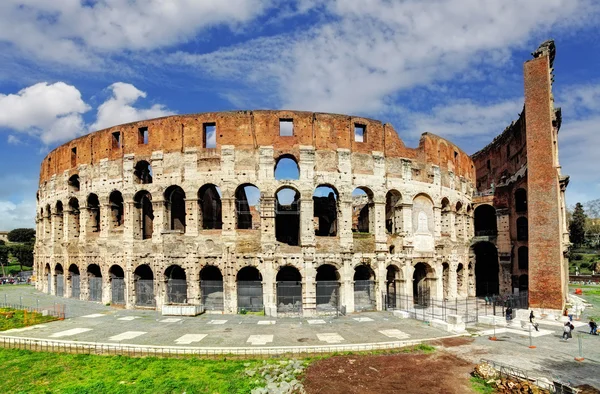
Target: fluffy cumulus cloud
{"x":15,"y":215}
{"x":51,"y":111}
{"x":119,"y":108}
{"x":81,"y":31}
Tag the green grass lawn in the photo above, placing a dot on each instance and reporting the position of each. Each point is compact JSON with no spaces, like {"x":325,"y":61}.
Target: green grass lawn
{"x":39,"y":372}
{"x":13,"y":269}
{"x":591,"y":293}
{"x":584,"y":260}
{"x":17,"y":318}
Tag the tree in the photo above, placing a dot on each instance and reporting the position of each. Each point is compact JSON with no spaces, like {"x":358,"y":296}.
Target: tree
{"x":22,"y":235}
{"x":577,"y":225}
{"x":3,"y":257}
{"x":24,"y":254}
{"x":2,"y":242}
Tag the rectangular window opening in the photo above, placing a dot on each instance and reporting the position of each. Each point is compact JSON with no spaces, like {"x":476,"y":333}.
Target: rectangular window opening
{"x":210,"y":135}
{"x":73,"y":157}
{"x":489,"y":165}
{"x":116,"y":141}
{"x":360,"y":133}
{"x":143,"y":136}
{"x":286,"y":127}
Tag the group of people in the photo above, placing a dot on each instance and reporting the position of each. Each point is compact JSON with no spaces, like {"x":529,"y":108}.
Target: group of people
{"x":568,"y":327}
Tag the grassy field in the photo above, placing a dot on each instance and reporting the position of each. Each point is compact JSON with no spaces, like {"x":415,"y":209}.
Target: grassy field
{"x":17,"y":318}
{"x":591,"y":293}
{"x":584,"y":260}
{"x":13,"y":269}
{"x":39,"y":372}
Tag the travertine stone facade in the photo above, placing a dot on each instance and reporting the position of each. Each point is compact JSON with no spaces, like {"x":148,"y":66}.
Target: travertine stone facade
{"x":100,"y":221}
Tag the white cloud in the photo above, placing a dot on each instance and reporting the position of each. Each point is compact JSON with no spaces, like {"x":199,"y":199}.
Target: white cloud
{"x":13,"y":140}
{"x":119,"y":108}
{"x":50,"y":111}
{"x":21,"y":214}
{"x":79,"y":32}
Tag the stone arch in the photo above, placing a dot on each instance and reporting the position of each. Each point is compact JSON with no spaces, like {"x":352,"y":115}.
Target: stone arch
{"x":328,"y":288}
{"x":249,"y":289}
{"x":117,"y":216}
{"x":461,"y":283}
{"x":523,"y":283}
{"x":59,"y":213}
{"x":94,"y":276}
{"x":73,"y":183}
{"x":144,"y":286}
{"x":423,"y":288}
{"x":211,"y":288}
{"x":73,"y":218}
{"x":93,"y":208}
{"x":364,"y":288}
{"x":325,"y":210}
{"x":144,"y":215}
{"x":423,"y":223}
{"x":247,"y":207}
{"x":117,"y":284}
{"x":446,"y":211}
{"x":289,"y":290}
{"x":522,"y":229}
{"x":209,"y":203}
{"x":521,"y":200}
{"x":485,"y":220}
{"x":74,"y":279}
{"x":445,"y":280}
{"x":393,"y":278}
{"x":175,"y":208}
{"x":487,"y":269}
{"x":143,"y":172}
{"x":176,"y":284}
{"x":60,"y":280}
{"x":363,"y":210}
{"x":287,"y":215}
{"x":393,"y":212}
{"x":286,"y":168}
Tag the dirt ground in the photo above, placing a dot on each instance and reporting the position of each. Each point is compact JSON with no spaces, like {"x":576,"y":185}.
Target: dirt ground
{"x":437,"y":372}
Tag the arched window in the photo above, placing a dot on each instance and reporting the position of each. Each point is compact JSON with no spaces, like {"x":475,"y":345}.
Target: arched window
{"x":73,"y":183}
{"x":115,"y":201}
{"x":328,"y":285}
{"x":521,"y":200}
{"x":363,"y":210}
{"x":175,"y":204}
{"x":393,"y":212}
{"x":422,"y":216}
{"x":289,"y":290}
{"x":94,"y":282}
{"x":93,"y":207}
{"x":247,"y":207}
{"x":446,"y":212}
{"x":325,"y":211}
{"x":209,"y":200}
{"x":249,"y":290}
{"x":144,"y":286}
{"x":364,"y":288}
{"x":73,"y":218}
{"x":144,"y":218}
{"x":59,"y":220}
{"x":485,"y":220}
{"x":176,"y":285}
{"x":117,"y":284}
{"x":523,"y":256}
{"x":286,"y":167}
{"x":211,"y":288}
{"x":287,"y":216}
{"x":143,"y":172}
{"x":522,"y":230}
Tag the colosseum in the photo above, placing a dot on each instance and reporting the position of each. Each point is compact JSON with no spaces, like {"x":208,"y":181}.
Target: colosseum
{"x":304,"y":213}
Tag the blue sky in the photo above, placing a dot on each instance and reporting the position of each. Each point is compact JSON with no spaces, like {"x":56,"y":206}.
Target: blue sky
{"x":451,"y":67}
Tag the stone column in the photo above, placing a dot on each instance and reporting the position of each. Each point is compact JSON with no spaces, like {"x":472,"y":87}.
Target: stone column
{"x":437,"y":220}
{"x":347,"y":280}
{"x":267,"y":220}
{"x":309,"y":287}
{"x":379,"y":226}
{"x":106,"y":224}
{"x":381,"y":279}
{"x":192,"y":215}
{"x":307,"y":228}
{"x":129,"y":288}
{"x":161,"y":219}
{"x":452,"y":282}
{"x":407,"y":224}
{"x":132,"y":222}
{"x":229,"y":215}
{"x":345,"y":223}
{"x":84,"y":283}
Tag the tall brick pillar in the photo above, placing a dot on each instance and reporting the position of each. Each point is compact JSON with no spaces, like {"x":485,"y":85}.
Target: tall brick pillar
{"x":546,"y":273}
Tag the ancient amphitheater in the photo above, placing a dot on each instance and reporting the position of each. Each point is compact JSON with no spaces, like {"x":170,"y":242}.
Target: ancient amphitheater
{"x":287,"y":212}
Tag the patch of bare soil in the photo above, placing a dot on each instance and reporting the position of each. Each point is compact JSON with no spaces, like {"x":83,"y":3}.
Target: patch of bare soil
{"x":437,"y":372}
{"x":452,"y":342}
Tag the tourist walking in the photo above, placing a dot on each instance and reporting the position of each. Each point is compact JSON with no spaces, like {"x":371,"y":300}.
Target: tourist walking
{"x":532,"y":321}
{"x":567,"y":331}
{"x":593,"y":327}
{"x":509,"y":312}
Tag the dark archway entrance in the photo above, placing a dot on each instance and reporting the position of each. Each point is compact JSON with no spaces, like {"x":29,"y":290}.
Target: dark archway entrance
{"x":364,"y":288}
{"x":249,"y":290}
{"x":328,"y":286}
{"x":60,"y":280}
{"x":211,"y":288}
{"x":392,"y":282}
{"x":117,"y":285}
{"x":144,"y":286}
{"x":486,"y":269}
{"x":75,"y":281}
{"x":176,"y":284}
{"x":289,"y":290}
{"x":485,"y":221}
{"x":421,"y":288}
{"x":94,"y":282}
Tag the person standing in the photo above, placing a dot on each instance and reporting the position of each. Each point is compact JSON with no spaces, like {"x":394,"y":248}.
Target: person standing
{"x":566,"y":331}
{"x":593,"y":327}
{"x":509,"y":312}
{"x":532,"y":321}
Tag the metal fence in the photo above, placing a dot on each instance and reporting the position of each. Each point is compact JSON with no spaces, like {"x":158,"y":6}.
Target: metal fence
{"x":364,"y":295}
{"x":60,"y":285}
{"x":57,"y":310}
{"x":177,"y":291}
{"x":75,"y":286}
{"x":212,"y":294}
{"x":289,"y":297}
{"x":117,"y":289}
{"x":250,"y":296}
{"x":144,"y":293}
{"x":328,"y":297}
{"x":95,"y":285}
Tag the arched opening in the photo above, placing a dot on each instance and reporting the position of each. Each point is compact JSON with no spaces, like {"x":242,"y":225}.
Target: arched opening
{"x":117,"y":285}
{"x":176,"y":285}
{"x":247,"y":207}
{"x":460,"y":280}
{"x":48,"y":273}
{"x":73,"y":183}
{"x":59,"y":220}
{"x":249,"y":290}
{"x":523,"y":256}
{"x":422,"y":276}
{"x":209,"y":201}
{"x":393,"y":212}
{"x":446,"y":212}
{"x":393,"y":277}
{"x":521,"y":200}
{"x":286,"y":167}
{"x":73,"y":218}
{"x":522,"y":229}
{"x":60,"y":280}
{"x":446,"y":280}
{"x":328,"y":285}
{"x":48,"y":225}
{"x":423,"y":223}
{"x":523,"y":283}
{"x":144,"y":217}
{"x":175,"y":204}
{"x":211,"y":288}
{"x":144,"y":286}
{"x":115,"y":201}
{"x":363,"y":210}
{"x":364,"y":288}
{"x":75,"y":278}
{"x":325,"y":211}
{"x":94,"y":282}
{"x":485,"y":221}
{"x":143,"y":172}
{"x":289,"y":290}
{"x":486,"y":269}
{"x":93,"y":208}
{"x":459,"y":221}
{"x":287,"y":216}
